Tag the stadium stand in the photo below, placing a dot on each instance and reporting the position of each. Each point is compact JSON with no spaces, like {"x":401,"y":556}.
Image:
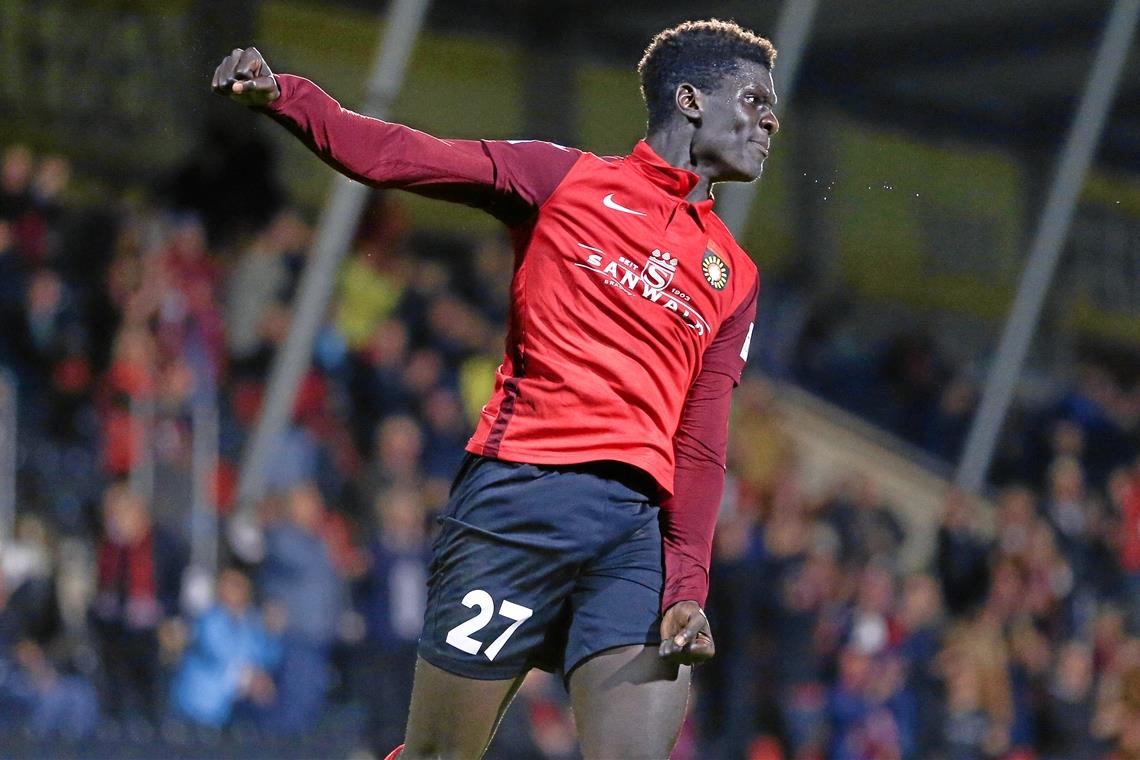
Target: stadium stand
{"x":861,"y":605}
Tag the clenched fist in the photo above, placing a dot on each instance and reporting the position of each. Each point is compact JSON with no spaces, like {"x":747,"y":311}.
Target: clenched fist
{"x":686,"y":638}
{"x":245,"y":77}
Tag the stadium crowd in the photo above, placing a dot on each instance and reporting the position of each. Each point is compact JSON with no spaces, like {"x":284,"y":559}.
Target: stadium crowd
{"x":1021,"y":639}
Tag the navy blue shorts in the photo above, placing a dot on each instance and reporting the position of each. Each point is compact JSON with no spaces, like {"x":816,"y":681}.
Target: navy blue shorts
{"x":542,"y":567}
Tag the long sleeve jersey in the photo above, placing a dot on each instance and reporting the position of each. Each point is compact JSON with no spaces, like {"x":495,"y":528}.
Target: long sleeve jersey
{"x":631,"y":307}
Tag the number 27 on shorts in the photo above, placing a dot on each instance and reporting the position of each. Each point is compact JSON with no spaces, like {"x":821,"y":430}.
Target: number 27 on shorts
{"x":460,"y":636}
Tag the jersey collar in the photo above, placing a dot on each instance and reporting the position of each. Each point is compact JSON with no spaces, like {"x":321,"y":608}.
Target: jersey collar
{"x":674,"y":180}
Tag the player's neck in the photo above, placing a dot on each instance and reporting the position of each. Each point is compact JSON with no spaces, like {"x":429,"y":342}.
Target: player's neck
{"x":674,"y":147}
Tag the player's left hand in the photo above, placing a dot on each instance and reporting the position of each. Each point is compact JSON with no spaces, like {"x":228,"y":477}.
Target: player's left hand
{"x":686,"y":637}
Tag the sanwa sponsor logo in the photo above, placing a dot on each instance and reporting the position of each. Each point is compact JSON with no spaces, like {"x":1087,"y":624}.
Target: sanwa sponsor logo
{"x":651,"y":282}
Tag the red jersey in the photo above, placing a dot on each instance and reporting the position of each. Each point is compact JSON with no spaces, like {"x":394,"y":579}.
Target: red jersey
{"x":631,"y":309}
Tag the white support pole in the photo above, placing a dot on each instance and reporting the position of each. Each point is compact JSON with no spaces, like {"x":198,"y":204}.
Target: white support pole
{"x":141,"y":477}
{"x":204,"y":456}
{"x":198,"y":585}
{"x":334,"y":234}
{"x":8,"y":462}
{"x":1052,"y":231}
{"x":734,"y":200}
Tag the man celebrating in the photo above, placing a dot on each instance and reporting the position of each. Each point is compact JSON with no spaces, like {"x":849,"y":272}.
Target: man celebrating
{"x":631,"y":314}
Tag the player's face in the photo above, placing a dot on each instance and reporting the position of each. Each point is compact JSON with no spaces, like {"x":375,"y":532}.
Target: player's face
{"x":737,"y":124}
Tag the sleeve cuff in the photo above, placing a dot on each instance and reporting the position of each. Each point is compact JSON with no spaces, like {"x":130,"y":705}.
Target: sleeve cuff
{"x":690,"y":589}
{"x":286,"y":85}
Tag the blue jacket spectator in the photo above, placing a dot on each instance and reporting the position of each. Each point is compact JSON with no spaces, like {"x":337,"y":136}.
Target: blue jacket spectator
{"x":228,"y":659}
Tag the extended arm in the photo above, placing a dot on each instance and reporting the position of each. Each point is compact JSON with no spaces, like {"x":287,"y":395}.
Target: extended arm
{"x":509,"y":179}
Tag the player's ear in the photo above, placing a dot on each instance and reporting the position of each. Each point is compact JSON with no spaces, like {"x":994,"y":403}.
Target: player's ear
{"x":688,"y":101}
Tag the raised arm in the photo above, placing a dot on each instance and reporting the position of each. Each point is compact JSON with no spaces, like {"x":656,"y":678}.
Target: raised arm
{"x":509,"y":179}
{"x":688,"y":517}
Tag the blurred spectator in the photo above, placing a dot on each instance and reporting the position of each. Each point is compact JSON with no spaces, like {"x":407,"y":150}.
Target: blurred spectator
{"x":1069,"y":711}
{"x":377,"y":379}
{"x":1068,"y":511}
{"x":962,"y":556}
{"x":428,"y":282}
{"x":62,"y":463}
{"x":16,"y":167}
{"x":11,"y":285}
{"x":188,"y":321}
{"x":457,"y":330}
{"x":445,"y":434}
{"x":760,"y":448}
{"x":18,"y":204}
{"x":946,"y":429}
{"x":130,"y":380}
{"x":296,"y":454}
{"x":138,"y":582}
{"x":399,"y":445}
{"x":911,"y":368}
{"x":35,"y":697}
{"x":872,"y":626}
{"x":489,"y":290}
{"x":732,"y":687}
{"x":27,"y":565}
{"x":1031,"y":658}
{"x":1093,"y":415}
{"x":1047,"y":584}
{"x":260,"y":282}
{"x":978,"y":699}
{"x":1124,"y":491}
{"x":299,"y":574}
{"x":867,"y":528}
{"x":391,"y":597}
{"x":53,"y":176}
{"x":230,"y":656}
{"x":1118,"y":706}
{"x":1016,"y":519}
{"x":293,"y":459}
{"x":371,"y":285}
{"x":867,"y":708}
{"x":539,"y":725}
{"x":921,"y":621}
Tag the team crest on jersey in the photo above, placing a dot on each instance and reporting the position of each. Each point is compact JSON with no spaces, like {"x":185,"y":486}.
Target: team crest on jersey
{"x":660,"y":268}
{"x":714,"y":270}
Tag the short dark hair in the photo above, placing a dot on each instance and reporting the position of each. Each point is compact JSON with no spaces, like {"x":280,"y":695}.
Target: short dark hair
{"x":698,"y":52}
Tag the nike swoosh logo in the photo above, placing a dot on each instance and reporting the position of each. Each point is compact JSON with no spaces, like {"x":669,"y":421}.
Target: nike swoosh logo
{"x":609,"y":202}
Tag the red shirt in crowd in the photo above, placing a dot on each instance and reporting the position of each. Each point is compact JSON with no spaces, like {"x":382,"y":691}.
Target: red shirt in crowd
{"x":631,"y":310}
{"x":1130,"y":527}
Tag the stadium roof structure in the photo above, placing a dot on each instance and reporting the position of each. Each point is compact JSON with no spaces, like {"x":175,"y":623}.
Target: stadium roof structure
{"x":1002,"y":71}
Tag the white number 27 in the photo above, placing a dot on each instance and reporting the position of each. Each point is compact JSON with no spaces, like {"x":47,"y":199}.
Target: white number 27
{"x":460,"y":636}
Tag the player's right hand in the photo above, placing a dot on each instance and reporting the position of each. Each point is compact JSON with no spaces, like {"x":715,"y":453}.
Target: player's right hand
{"x":244,"y":76}
{"x":686,"y":638}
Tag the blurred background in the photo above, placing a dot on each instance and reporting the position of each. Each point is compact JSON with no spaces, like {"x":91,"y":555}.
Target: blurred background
{"x":212,"y":546}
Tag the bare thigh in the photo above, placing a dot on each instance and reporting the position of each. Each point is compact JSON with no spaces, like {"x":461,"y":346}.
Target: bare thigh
{"x":453,"y":717}
{"x":628,"y":703}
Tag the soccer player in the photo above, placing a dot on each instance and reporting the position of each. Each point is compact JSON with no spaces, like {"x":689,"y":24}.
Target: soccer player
{"x":578,"y":533}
